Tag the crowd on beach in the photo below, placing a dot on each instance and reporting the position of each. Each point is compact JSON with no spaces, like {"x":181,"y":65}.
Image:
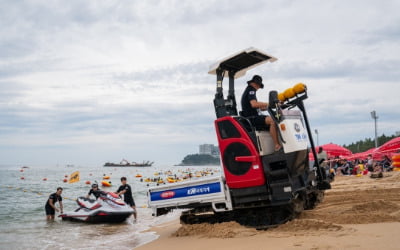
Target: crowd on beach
{"x":360,"y":166}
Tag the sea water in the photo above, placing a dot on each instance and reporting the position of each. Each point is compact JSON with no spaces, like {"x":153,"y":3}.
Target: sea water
{"x":23,"y":222}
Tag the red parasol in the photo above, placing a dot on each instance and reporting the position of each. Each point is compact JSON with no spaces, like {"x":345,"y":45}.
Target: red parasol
{"x":332,"y":150}
{"x":390,"y":147}
{"x":335,"y":150}
{"x":364,"y":155}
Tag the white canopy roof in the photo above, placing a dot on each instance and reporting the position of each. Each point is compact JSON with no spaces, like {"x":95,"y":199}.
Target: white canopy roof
{"x":241,"y":62}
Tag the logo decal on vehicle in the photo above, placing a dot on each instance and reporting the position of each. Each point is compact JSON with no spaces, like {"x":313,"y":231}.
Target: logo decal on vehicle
{"x":167,"y":194}
{"x":297,"y":127}
{"x":192,"y":190}
{"x":202,"y":190}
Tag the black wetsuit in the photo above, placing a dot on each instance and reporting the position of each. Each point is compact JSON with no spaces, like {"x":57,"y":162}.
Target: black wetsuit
{"x":248,"y":111}
{"x":128,"y":198}
{"x":96,"y":193}
{"x":49,"y":209}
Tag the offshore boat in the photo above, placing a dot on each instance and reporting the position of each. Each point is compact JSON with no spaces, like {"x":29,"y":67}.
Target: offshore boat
{"x":125,"y":163}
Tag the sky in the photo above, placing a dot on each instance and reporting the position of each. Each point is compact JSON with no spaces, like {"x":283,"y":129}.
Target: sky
{"x":86,"y":82}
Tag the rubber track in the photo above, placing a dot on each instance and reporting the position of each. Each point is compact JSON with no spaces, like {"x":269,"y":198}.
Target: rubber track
{"x":259,"y":218}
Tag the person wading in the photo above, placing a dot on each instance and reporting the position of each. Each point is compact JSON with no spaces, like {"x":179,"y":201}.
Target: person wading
{"x":126,"y":190}
{"x":50,"y":206}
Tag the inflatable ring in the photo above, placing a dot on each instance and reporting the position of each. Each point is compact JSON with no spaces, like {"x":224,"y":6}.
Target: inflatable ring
{"x":299,"y":88}
{"x":106,"y":177}
{"x":281,"y":97}
{"x":170,"y":180}
{"x":396,"y":157}
{"x":106,"y":183}
{"x":396,"y":164}
{"x":289,"y":93}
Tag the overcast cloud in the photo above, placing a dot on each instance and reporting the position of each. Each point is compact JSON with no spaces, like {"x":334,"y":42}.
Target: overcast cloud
{"x":85,"y":82}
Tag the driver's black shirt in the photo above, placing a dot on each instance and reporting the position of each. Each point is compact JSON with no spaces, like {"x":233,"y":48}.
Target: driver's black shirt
{"x":95,"y":193}
{"x":248,"y":95}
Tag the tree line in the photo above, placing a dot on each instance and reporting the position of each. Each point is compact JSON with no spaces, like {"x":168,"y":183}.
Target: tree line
{"x":368,"y":143}
{"x":199,"y":159}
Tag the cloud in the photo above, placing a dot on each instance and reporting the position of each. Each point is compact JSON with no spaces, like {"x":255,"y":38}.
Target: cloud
{"x":97,"y":81}
{"x":380,"y":70}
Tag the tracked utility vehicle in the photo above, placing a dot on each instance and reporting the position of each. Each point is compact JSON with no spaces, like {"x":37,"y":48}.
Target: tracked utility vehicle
{"x":259,"y":187}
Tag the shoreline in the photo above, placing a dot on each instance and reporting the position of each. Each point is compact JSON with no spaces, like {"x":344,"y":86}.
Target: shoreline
{"x":352,"y":236}
{"x":357,"y":213}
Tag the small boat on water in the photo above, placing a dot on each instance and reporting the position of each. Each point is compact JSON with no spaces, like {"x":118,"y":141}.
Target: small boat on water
{"x":125,"y":163}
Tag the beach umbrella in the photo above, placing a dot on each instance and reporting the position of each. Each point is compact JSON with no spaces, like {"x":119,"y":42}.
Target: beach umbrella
{"x":310,"y":156}
{"x":390,"y":147}
{"x":374,"y":152}
{"x":332,"y":150}
{"x":364,"y":155}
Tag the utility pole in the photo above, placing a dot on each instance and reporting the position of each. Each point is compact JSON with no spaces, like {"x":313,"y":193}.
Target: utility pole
{"x":375,"y":117}
{"x":316,"y":132}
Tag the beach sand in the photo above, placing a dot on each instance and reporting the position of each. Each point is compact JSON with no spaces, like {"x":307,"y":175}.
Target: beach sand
{"x":357,"y":213}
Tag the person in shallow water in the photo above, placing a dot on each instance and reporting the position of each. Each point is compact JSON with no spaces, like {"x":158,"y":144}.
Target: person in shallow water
{"x":126,"y":190}
{"x":95,"y":191}
{"x":50,"y":206}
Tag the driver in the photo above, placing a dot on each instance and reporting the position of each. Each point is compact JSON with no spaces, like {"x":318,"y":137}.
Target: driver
{"x":95,"y":191}
{"x":250,"y":107}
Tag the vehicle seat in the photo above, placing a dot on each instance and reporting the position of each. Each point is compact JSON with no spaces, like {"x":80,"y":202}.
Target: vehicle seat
{"x":264,"y":127}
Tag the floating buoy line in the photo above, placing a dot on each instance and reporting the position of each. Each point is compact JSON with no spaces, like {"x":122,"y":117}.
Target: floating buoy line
{"x":32,"y":191}
{"x":41,"y":193}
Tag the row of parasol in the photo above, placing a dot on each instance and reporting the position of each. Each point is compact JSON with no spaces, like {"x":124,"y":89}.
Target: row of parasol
{"x":389,"y":149}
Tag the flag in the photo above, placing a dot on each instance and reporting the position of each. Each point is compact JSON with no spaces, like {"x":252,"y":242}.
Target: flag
{"x":74,"y":177}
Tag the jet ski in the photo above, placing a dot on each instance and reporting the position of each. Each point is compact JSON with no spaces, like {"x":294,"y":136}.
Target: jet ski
{"x":108,"y":208}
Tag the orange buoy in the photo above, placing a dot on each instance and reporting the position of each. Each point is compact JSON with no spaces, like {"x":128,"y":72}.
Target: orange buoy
{"x":396,"y":158}
{"x":21,"y":170}
{"x":281,"y":97}
{"x":106,"y":183}
{"x":87,"y":182}
{"x":65,"y":180}
{"x":106,"y":177}
{"x":22,"y":178}
{"x":45,"y":179}
{"x":396,"y":162}
{"x":66,"y":176}
{"x":138,"y":175}
{"x":171,"y":180}
{"x":299,"y":88}
{"x":289,"y":93}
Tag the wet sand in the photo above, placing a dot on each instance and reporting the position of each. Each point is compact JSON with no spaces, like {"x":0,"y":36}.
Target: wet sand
{"x":357,"y":213}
